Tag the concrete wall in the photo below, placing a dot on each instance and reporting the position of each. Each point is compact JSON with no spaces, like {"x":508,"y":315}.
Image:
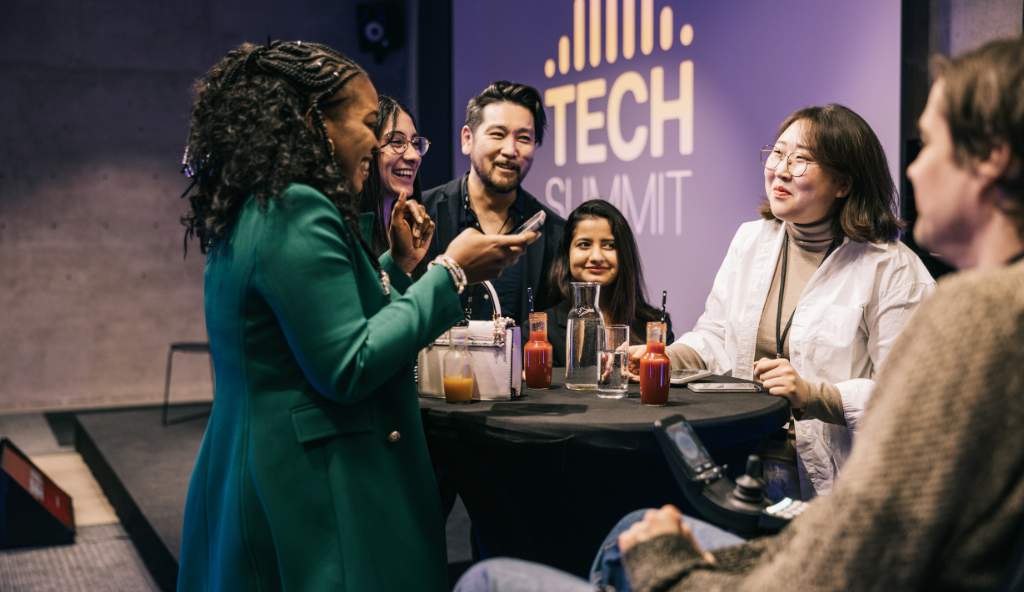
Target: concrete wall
{"x":94,"y":100}
{"x":971,"y":23}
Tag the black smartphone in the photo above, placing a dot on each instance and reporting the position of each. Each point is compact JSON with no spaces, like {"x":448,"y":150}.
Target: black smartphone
{"x":687,"y":447}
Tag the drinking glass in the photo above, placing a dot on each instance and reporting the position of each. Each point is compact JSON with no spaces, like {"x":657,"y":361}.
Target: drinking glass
{"x":458,"y":368}
{"x":613,"y":362}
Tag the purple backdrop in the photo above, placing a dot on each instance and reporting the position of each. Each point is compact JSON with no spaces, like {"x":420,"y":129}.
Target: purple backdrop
{"x":729,"y":73}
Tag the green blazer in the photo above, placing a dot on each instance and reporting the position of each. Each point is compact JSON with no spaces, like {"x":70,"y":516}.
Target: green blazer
{"x":313,"y":473}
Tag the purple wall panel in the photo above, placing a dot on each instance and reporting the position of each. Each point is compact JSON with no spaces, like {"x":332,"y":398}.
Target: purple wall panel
{"x":752,"y":63}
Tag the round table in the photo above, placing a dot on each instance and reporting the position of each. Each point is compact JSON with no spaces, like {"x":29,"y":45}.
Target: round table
{"x":546,"y":476}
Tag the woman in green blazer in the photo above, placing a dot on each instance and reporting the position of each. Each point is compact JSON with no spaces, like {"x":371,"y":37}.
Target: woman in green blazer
{"x":313,"y":473}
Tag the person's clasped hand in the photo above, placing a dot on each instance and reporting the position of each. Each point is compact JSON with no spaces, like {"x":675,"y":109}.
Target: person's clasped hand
{"x":665,"y":521}
{"x":410,"y":232}
{"x":485,"y":256}
{"x":779,"y":378}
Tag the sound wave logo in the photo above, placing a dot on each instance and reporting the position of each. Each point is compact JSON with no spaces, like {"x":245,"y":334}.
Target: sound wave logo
{"x":584,"y":38}
{"x":613,"y":116}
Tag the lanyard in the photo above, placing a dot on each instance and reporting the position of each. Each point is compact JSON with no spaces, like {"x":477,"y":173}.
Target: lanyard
{"x":780,"y":337}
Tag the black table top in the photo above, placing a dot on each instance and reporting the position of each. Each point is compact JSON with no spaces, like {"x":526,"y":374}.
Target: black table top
{"x":558,"y":412}
{"x":546,"y":476}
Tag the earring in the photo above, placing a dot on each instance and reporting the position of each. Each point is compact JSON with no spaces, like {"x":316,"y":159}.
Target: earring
{"x":330,"y":145}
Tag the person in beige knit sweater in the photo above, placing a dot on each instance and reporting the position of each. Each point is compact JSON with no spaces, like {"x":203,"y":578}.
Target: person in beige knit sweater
{"x":932,"y":497}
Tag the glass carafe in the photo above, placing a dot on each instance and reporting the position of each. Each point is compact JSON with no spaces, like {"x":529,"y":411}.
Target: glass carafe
{"x":581,"y":337}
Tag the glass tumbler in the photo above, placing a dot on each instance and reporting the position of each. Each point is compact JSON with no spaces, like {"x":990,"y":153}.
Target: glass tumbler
{"x":458,"y":367}
{"x":613,"y":361}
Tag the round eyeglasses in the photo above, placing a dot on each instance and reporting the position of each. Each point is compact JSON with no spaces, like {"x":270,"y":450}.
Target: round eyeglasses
{"x":796,"y":164}
{"x":398,"y":143}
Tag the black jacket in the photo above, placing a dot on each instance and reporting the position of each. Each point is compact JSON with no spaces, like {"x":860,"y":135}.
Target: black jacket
{"x":444,"y":204}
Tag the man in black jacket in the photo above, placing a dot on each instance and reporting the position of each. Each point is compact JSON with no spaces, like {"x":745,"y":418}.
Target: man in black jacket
{"x":504,"y":126}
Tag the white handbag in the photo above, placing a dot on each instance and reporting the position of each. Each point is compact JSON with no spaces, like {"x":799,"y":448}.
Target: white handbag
{"x":496,"y":355}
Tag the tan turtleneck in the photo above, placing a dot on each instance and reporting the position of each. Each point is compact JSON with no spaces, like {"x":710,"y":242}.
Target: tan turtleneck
{"x":808,"y":245}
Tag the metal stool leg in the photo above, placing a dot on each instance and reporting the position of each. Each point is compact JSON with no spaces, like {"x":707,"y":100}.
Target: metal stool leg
{"x":167,"y":385}
{"x":185,"y":348}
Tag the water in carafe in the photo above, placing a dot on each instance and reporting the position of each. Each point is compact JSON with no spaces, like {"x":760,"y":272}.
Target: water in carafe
{"x":581,"y":339}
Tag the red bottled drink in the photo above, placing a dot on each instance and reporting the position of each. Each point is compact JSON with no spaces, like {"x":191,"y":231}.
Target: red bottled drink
{"x":537,"y":354}
{"x":655,"y":368}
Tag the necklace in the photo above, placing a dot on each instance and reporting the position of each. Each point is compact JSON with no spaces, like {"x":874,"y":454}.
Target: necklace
{"x":471,"y":215}
{"x":475,"y":220}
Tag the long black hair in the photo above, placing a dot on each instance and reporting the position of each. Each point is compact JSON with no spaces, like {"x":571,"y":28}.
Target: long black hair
{"x":257,"y":125}
{"x":625,"y":299}
{"x":372,"y":197}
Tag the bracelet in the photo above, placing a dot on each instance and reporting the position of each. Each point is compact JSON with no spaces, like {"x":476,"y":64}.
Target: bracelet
{"x":454,"y":270}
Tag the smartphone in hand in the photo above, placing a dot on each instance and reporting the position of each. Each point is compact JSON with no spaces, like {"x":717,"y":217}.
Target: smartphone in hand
{"x":533,"y":224}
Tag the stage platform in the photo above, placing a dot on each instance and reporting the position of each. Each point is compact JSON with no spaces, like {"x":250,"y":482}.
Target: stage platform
{"x":144,"y":468}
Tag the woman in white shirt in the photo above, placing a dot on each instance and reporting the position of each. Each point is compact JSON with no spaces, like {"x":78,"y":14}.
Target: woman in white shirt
{"x":810,"y":299}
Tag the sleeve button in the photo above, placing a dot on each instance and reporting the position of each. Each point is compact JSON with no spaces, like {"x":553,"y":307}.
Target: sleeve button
{"x":394,"y":436}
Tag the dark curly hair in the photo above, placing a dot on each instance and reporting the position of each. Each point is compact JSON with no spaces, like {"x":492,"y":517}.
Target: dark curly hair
{"x":372,"y":196}
{"x":251,"y":136}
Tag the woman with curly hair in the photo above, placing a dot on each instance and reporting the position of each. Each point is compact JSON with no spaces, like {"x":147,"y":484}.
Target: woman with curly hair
{"x":313,"y":473}
{"x":395,"y":167}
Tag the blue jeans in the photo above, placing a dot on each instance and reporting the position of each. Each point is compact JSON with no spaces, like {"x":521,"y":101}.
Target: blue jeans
{"x":516,"y":575}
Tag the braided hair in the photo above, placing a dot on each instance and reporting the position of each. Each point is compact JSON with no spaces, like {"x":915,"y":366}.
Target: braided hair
{"x":250,"y":135}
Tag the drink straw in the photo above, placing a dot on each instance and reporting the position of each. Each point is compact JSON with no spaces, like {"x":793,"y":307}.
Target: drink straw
{"x":664,"y":301}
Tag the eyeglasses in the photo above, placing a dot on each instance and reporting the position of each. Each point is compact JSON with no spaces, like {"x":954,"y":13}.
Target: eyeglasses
{"x":398,"y":143}
{"x":796,"y":164}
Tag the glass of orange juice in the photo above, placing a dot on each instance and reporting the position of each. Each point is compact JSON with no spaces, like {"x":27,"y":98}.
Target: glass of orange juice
{"x":458,"y":367}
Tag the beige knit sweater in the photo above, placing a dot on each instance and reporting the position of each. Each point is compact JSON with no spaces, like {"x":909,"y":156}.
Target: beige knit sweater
{"x":932,"y":497}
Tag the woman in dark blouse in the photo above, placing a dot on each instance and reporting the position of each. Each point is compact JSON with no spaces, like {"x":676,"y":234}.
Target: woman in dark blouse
{"x":598,"y":246}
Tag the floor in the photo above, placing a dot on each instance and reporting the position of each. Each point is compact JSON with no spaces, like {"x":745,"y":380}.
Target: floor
{"x":102,"y":558}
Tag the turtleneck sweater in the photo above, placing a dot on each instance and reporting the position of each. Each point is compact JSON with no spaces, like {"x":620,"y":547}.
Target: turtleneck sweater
{"x":807,"y":246}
